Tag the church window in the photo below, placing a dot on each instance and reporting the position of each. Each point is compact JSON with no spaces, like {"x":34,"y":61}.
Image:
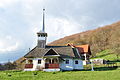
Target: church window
{"x":39,"y":61}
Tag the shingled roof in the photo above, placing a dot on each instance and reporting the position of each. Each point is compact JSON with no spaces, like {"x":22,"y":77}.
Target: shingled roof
{"x":63,"y":51}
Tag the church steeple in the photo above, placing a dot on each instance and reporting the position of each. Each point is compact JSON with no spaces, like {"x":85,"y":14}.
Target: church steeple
{"x":42,"y":36}
{"x":43,"y":29}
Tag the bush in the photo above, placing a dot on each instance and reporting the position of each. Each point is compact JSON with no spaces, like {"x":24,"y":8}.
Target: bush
{"x":7,"y":66}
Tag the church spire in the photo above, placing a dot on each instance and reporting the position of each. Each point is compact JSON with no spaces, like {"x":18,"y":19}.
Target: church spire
{"x":43,"y":29}
{"x":42,"y":35}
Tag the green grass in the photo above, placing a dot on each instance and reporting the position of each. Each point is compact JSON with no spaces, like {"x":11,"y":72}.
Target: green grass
{"x":69,"y":75}
{"x":102,"y":72}
{"x":107,"y":55}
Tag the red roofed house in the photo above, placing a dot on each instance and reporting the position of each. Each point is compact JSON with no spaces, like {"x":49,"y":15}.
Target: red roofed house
{"x":84,"y":51}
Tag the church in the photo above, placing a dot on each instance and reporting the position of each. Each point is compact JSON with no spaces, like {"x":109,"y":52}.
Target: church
{"x":52,"y":58}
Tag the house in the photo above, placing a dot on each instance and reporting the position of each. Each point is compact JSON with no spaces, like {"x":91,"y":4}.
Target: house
{"x":99,"y":61}
{"x":84,"y":51}
{"x":52,"y":58}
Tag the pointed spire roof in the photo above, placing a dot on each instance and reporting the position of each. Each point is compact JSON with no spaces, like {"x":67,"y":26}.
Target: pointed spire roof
{"x":42,"y":31}
{"x":43,"y":28}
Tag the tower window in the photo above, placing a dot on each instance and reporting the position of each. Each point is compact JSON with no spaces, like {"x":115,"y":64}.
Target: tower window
{"x":67,"y":61}
{"x":38,"y":35}
{"x":76,"y":62}
{"x":39,"y":61}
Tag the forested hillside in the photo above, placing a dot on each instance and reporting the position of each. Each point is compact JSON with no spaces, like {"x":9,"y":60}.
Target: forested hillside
{"x":107,"y":37}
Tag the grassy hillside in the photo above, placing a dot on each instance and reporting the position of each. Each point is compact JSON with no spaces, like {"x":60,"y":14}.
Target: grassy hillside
{"x":107,"y":55}
{"x":107,"y":37}
{"x":71,"y":75}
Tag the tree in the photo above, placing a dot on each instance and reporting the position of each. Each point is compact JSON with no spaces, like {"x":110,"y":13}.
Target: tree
{"x":9,"y":66}
{"x":115,"y":43}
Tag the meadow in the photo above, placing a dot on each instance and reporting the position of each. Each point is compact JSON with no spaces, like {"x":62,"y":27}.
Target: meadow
{"x":67,"y":75}
{"x":102,"y":72}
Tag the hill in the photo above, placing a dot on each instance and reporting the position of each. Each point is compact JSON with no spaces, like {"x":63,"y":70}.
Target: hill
{"x":102,"y":38}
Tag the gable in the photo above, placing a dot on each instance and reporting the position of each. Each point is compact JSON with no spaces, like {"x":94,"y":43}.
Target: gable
{"x":51,"y":52}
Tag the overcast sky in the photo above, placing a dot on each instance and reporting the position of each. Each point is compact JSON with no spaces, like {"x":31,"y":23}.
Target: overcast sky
{"x":21,"y":19}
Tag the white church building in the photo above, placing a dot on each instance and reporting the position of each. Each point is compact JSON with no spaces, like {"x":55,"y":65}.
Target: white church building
{"x":52,"y":58}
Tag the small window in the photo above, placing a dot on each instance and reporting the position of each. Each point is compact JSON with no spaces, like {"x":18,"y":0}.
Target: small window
{"x":67,"y":61}
{"x":76,"y":62}
{"x":39,"y":61}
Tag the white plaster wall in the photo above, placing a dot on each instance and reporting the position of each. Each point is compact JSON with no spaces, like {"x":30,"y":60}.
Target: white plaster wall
{"x":79,"y":65}
{"x":35,"y":61}
{"x":71,"y":65}
{"x":65,"y":66}
{"x":35,"y":64}
{"x":84,"y":63}
{"x":42,"y":65}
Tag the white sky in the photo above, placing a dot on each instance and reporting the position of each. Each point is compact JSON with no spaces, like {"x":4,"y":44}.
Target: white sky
{"x":21,"y":19}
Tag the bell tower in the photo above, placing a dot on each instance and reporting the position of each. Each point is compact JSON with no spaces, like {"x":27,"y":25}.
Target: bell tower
{"x":42,"y":35}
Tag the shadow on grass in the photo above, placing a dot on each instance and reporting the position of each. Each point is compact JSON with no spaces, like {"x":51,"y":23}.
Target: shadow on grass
{"x":102,"y":68}
{"x":115,"y":61}
{"x":98,"y":69}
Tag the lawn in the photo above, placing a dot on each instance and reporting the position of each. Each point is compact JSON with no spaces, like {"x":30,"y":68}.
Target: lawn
{"x":107,"y":55}
{"x":68,"y":75}
{"x":102,"y":72}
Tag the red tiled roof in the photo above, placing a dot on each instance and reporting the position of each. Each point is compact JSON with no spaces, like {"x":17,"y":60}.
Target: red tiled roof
{"x":83,"y":48}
